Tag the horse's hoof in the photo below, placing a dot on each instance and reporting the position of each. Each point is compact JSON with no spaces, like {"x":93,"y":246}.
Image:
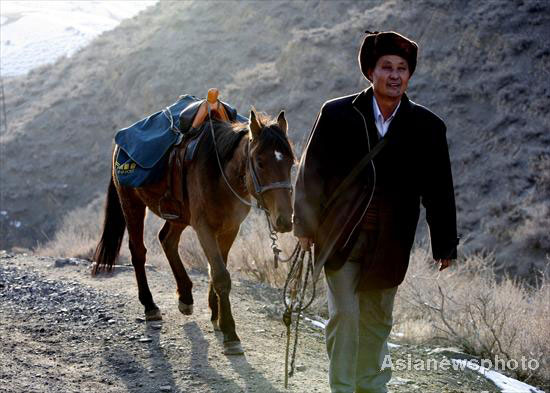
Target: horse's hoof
{"x":185,"y":309}
{"x":232,"y":348}
{"x":153,"y":315}
{"x":216,"y":326}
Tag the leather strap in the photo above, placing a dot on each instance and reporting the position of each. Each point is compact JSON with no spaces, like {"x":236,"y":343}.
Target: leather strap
{"x":358,"y":168}
{"x":258,"y":188}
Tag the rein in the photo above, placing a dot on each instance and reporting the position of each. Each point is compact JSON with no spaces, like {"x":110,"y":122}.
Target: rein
{"x":294,"y":291}
{"x":247,"y":203}
{"x":294,"y":299}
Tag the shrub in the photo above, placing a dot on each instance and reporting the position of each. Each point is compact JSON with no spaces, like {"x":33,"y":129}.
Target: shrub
{"x":470,"y":306}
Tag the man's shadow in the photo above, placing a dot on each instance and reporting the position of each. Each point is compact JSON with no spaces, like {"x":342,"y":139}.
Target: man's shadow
{"x":254,"y":380}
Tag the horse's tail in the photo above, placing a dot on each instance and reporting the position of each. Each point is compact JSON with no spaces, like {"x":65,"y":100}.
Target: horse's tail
{"x":114,"y":226}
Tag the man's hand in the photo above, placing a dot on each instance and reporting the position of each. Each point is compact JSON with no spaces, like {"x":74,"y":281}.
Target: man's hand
{"x":443,"y":263}
{"x":305,"y":243}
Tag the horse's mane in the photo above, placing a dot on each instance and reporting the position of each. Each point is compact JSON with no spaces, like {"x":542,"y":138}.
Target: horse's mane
{"x":229,"y":135}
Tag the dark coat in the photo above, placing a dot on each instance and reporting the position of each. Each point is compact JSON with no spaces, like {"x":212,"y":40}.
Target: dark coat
{"x":414,"y":166}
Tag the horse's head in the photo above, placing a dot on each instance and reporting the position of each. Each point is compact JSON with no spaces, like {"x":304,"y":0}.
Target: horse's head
{"x":270,"y":161}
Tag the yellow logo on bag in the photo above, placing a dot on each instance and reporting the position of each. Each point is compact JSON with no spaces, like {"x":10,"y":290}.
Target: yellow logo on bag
{"x":126,"y":168}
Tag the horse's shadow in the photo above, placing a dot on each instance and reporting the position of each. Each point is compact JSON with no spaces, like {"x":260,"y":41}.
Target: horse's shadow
{"x":253,"y":379}
{"x":137,"y":377}
{"x":154,"y":367}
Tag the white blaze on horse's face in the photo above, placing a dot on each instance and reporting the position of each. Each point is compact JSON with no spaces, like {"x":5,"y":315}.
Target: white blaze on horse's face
{"x":278,"y":155}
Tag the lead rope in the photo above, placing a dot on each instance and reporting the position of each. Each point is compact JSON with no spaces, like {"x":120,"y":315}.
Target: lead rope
{"x":296,"y":287}
{"x":297,"y":258}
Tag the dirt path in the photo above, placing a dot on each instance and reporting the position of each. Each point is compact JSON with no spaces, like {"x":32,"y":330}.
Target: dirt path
{"x":64,"y":331}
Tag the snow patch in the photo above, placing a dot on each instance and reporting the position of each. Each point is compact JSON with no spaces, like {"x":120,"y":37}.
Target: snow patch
{"x":317,"y":324}
{"x":34,"y":33}
{"x":506,"y":384}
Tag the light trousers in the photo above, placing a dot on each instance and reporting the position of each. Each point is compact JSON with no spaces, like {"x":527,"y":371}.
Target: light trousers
{"x":357,"y":332}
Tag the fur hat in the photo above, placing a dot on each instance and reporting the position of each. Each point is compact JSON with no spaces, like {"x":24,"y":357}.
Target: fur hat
{"x":376,"y":45}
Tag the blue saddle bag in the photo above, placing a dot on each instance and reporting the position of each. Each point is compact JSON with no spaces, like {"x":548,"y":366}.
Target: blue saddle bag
{"x":143,"y":147}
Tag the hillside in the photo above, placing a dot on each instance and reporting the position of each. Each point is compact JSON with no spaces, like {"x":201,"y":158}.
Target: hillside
{"x":482,"y":67}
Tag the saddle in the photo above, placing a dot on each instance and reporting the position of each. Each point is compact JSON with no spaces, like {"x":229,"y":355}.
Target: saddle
{"x":191,"y":120}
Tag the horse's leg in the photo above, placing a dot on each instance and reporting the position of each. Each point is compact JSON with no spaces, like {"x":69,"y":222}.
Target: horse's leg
{"x":135,"y":215}
{"x":169,"y":237}
{"x":225,"y":242}
{"x":222,"y":286}
{"x":213,"y":304}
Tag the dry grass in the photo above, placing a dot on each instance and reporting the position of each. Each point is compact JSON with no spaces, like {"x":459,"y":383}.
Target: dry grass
{"x":78,"y":233}
{"x":251,"y":253}
{"x":467,"y":306}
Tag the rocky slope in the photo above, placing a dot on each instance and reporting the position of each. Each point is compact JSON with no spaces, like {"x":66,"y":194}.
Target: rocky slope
{"x":483,"y":67}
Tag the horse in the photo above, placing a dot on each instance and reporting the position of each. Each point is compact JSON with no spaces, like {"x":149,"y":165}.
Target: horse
{"x":234,"y":162}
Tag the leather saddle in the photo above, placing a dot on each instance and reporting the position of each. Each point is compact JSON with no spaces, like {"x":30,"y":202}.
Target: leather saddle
{"x":191,"y":120}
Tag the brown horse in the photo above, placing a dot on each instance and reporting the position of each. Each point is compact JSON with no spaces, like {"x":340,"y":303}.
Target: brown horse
{"x":256,"y":161}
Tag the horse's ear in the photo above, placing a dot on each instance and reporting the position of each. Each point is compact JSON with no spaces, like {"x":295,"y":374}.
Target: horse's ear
{"x":283,"y":125}
{"x":255,"y":128}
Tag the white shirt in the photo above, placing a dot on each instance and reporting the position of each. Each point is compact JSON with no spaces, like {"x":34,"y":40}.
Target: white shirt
{"x":381,"y":124}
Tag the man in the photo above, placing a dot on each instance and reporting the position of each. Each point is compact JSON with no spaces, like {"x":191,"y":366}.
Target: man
{"x":363,"y":233}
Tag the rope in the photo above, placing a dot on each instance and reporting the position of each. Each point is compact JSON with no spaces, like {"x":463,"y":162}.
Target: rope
{"x":294,"y":275}
{"x":300,"y":309}
{"x":296,"y":287}
{"x":247,"y":203}
{"x":296,"y":263}
{"x":287,"y":319}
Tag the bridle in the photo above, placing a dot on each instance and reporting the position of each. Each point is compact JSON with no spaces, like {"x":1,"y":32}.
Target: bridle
{"x":259,"y":189}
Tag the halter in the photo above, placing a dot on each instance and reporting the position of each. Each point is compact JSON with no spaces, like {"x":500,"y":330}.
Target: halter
{"x":258,"y":188}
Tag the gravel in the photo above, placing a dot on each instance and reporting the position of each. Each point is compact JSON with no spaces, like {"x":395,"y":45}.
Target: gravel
{"x":65,"y":331}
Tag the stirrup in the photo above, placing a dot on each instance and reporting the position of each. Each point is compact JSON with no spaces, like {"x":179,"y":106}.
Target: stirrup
{"x":166,"y":216}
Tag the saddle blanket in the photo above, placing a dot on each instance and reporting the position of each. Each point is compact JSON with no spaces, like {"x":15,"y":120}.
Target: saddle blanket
{"x":143,"y":148}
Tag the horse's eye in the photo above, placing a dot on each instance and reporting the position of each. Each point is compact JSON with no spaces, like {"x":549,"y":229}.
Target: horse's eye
{"x":259,"y":164}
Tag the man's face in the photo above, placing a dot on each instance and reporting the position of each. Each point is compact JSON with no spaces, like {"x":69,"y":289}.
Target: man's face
{"x":390,"y":76}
